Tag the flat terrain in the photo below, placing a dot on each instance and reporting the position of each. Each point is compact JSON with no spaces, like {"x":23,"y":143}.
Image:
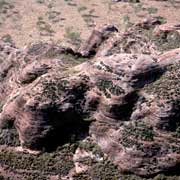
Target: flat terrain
{"x":72,"y":20}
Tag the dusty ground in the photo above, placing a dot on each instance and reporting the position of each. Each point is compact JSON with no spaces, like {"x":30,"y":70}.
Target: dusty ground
{"x":52,"y":20}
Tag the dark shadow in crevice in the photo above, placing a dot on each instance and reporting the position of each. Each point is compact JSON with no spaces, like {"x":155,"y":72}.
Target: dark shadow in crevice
{"x":169,"y":172}
{"x":147,"y":77}
{"x":173,"y":171}
{"x":70,"y":133}
{"x":123,"y":110}
{"x":65,"y":127}
{"x":59,"y":124}
{"x":171,"y":122}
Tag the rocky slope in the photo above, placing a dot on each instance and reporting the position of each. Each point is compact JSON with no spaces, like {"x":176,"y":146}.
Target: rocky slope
{"x":116,"y":101}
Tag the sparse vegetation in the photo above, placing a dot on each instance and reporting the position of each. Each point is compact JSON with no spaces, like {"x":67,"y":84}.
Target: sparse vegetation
{"x":58,"y":162}
{"x":7,"y":38}
{"x":152,"y":10}
{"x":72,"y":36}
{"x":23,"y":22}
{"x":82,"y":8}
{"x":54,"y":16}
{"x":126,"y":21}
{"x":55,"y":19}
{"x":44,"y":27}
{"x":9,"y":137}
{"x":40,"y":1}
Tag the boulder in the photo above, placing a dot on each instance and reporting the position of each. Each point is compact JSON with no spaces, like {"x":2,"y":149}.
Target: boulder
{"x":128,"y":102}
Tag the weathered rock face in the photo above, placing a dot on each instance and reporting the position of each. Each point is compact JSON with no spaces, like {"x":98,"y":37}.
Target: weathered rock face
{"x":97,"y":37}
{"x":129,"y":102}
{"x":147,"y":142}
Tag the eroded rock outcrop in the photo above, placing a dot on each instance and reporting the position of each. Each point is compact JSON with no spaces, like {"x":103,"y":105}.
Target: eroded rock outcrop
{"x":97,"y":37}
{"x":126,"y":98}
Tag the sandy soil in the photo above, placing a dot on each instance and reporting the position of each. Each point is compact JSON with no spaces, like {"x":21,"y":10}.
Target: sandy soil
{"x":51,"y":20}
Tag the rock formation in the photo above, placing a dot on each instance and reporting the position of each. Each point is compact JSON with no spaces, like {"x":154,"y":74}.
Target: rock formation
{"x":126,"y":97}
